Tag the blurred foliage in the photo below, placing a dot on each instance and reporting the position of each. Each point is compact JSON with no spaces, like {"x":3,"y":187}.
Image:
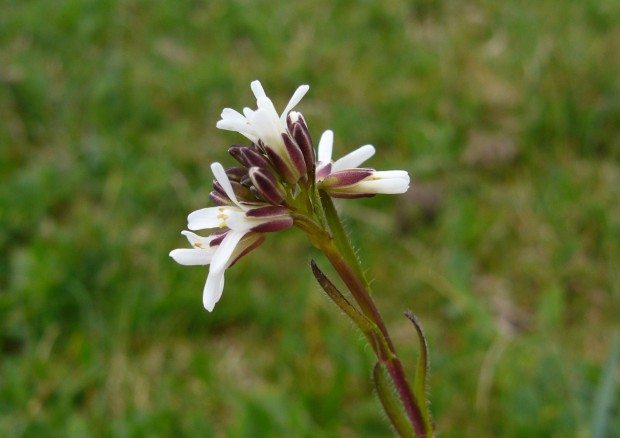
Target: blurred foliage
{"x":507,"y":114}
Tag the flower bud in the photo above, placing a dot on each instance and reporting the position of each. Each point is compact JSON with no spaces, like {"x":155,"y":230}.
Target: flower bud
{"x":295,"y":154}
{"x":248,"y":157}
{"x":302,"y":137}
{"x":266,"y":185}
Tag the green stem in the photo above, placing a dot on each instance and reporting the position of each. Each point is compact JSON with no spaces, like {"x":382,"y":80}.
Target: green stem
{"x":389,"y":358}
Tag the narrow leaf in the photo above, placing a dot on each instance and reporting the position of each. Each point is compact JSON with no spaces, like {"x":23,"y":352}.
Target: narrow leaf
{"x":390,"y":403}
{"x":364,"y":324}
{"x":420,"y":382}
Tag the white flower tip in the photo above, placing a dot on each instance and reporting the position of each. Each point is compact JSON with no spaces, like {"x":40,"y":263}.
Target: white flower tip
{"x":326,"y":143}
{"x":257,"y":89}
{"x":369,"y":149}
{"x":208,"y":305}
{"x":217,"y":167}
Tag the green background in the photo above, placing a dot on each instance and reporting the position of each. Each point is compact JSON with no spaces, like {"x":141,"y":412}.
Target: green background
{"x":507,"y":116}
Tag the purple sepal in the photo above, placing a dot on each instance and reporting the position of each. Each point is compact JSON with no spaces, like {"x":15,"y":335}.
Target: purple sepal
{"x":323,"y":170}
{"x":266,"y":185}
{"x":295,"y":153}
{"x":285,"y":171}
{"x":267,"y":211}
{"x":235,"y":152}
{"x":344,"y":195}
{"x":278,"y":224}
{"x":236,"y":173}
{"x":217,"y":187}
{"x":218,"y":240}
{"x":248,"y":156}
{"x":347,"y":177}
{"x":302,"y":137}
{"x":219,"y":199}
{"x":251,"y":247}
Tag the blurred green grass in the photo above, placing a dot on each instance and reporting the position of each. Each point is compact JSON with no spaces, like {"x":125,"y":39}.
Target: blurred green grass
{"x":507,"y":115}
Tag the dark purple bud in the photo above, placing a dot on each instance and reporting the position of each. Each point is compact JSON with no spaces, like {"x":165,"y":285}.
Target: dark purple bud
{"x":217,"y":187}
{"x":219,"y":199}
{"x":236,"y":173}
{"x":254,"y":159}
{"x":294,"y":152}
{"x":268,"y":211}
{"x":249,"y":157}
{"x":345,"y":178}
{"x":283,"y":169}
{"x":258,"y":240}
{"x":266,"y":185}
{"x":235,"y":152}
{"x":280,"y":223}
{"x":302,"y":137}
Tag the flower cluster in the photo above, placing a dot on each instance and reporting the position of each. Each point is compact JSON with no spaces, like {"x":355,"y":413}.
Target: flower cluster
{"x":276,"y":173}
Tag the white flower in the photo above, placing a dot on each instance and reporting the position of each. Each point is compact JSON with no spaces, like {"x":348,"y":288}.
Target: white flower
{"x":243,"y":227}
{"x":264,"y":126}
{"x":343,"y":178}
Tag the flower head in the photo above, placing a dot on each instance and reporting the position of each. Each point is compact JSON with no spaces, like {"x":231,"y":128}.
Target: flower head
{"x":273,"y":184}
{"x":269,"y":130}
{"x":240,"y":229}
{"x":344,"y":179}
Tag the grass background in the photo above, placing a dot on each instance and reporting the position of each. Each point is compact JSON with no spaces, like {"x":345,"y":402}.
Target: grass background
{"x":507,"y":115}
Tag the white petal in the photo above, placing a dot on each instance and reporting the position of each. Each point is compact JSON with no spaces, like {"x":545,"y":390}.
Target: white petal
{"x":224,"y":252}
{"x":205,"y":218}
{"x":295,"y":99}
{"x":192,"y":256}
{"x":213,"y":289}
{"x":354,"y":159}
{"x":257,"y":89}
{"x":222,"y":178}
{"x":326,"y":144}
{"x":229,"y":113}
{"x":198,"y":241}
{"x":390,"y":186}
{"x":247,"y":112}
{"x":265,"y":128}
{"x":390,"y":174}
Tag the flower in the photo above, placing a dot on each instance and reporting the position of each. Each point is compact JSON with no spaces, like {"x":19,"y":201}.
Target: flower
{"x":243,"y":226}
{"x":344,"y":179}
{"x":265,"y":128}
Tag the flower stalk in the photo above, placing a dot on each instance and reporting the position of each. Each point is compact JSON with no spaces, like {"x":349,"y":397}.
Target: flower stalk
{"x":341,"y":255}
